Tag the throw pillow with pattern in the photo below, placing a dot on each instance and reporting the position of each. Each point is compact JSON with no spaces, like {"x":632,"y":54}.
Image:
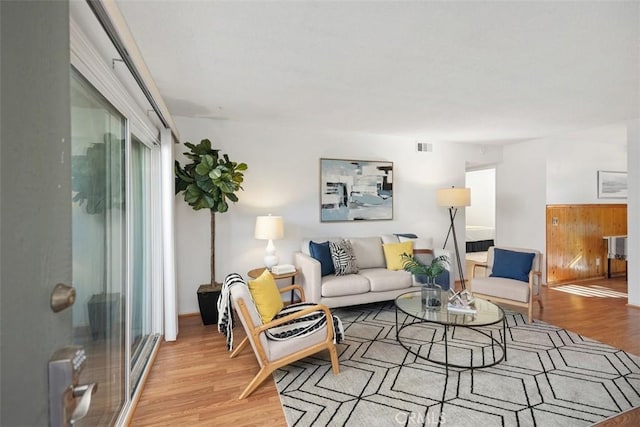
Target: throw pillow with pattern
{"x":344,"y":260}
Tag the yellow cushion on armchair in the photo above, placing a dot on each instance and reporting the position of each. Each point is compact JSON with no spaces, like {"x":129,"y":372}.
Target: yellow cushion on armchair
{"x":266,"y":295}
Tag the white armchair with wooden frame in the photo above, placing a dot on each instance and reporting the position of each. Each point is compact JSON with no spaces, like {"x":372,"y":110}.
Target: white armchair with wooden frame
{"x":273,"y":354}
{"x":513,"y":276}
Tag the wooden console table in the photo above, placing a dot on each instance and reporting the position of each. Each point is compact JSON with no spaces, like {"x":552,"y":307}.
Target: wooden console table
{"x":616,"y":249}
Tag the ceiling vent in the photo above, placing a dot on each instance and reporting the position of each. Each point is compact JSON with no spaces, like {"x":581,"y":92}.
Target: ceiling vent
{"x":424,"y":147}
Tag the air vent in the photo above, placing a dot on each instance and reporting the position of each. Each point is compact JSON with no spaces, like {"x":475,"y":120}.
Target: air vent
{"x":424,"y":147}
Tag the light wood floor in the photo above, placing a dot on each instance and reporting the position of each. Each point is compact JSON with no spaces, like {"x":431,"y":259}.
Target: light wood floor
{"x":193,"y":381}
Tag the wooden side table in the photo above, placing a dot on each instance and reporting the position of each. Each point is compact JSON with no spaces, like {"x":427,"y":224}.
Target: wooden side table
{"x":256,"y":272}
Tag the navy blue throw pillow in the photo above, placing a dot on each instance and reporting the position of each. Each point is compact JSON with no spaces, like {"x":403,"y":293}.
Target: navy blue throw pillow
{"x":443,"y":280}
{"x":512,"y":264}
{"x":322,"y":253}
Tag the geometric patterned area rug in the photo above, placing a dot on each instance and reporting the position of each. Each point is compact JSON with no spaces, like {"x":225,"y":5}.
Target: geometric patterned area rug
{"x":552,"y":377}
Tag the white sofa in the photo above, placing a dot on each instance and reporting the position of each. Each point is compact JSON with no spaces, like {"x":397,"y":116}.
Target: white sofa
{"x":373,"y":282}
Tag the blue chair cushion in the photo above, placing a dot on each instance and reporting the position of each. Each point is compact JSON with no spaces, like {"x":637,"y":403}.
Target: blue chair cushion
{"x":512,"y":264}
{"x":322,"y":253}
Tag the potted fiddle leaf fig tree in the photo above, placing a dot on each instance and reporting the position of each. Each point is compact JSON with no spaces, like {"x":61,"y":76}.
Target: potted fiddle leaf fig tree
{"x":209,"y":181}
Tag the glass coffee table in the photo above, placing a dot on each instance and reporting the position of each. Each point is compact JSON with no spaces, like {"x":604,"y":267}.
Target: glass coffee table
{"x":474,"y":340}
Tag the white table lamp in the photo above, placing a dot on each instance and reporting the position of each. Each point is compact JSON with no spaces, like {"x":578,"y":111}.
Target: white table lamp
{"x":269,"y":228}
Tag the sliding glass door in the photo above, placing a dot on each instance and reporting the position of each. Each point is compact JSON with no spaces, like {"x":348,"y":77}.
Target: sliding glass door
{"x":113,"y":218}
{"x":98,"y":143}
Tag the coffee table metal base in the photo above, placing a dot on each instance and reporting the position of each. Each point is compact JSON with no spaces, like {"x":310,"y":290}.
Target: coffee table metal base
{"x":501,"y":345}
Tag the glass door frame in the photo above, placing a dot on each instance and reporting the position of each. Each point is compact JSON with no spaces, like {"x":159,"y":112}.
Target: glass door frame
{"x":154,"y":189}
{"x":99,"y":224}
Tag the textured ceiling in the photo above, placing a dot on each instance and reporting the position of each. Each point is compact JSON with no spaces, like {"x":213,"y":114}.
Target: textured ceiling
{"x":488,"y":72}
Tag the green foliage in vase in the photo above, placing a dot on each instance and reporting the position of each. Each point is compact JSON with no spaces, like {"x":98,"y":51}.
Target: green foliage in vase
{"x":411,"y":264}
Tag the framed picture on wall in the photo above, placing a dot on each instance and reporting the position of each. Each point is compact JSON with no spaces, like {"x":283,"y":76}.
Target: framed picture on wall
{"x":612,"y":185}
{"x":355,"y":190}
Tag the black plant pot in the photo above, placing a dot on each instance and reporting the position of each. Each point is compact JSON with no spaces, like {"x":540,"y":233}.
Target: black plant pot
{"x":208,"y":303}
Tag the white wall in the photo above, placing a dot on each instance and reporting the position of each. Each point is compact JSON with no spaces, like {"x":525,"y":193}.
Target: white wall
{"x":283,"y":179}
{"x":482,"y":211}
{"x":573,"y":161}
{"x":633,"y":212}
{"x":529,"y":175}
{"x":521,"y":196}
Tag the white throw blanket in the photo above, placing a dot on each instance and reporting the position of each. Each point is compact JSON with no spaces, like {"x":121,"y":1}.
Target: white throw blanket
{"x":299,"y":327}
{"x":225,"y":309}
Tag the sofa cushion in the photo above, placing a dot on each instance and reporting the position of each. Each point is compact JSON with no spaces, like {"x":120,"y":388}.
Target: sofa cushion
{"x":344,"y":260}
{"x":368,"y":251}
{"x":501,"y":288}
{"x":393,"y":254}
{"x":389,"y":238}
{"x":322,"y":253}
{"x":350,"y":284}
{"x":381,"y":279}
{"x":512,"y":264}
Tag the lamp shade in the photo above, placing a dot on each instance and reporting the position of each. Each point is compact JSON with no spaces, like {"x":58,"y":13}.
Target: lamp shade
{"x":454,"y":197}
{"x":269,"y":227}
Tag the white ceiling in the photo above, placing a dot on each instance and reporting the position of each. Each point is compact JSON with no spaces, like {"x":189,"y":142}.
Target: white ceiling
{"x":488,"y":72}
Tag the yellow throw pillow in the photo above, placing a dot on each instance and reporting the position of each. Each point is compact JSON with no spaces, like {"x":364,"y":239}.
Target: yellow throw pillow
{"x":392,"y":252}
{"x":266,"y":295}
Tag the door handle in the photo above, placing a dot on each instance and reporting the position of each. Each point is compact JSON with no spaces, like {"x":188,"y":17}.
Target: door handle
{"x":82,"y":408}
{"x":62,"y":296}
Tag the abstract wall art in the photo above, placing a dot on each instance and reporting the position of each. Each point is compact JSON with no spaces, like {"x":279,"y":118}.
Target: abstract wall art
{"x":355,"y":190}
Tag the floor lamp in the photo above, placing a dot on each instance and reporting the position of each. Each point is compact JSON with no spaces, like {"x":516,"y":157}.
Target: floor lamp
{"x":454,"y":198}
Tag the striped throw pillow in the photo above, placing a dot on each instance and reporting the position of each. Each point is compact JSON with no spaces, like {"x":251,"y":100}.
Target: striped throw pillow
{"x":303,"y":326}
{"x":344,"y":260}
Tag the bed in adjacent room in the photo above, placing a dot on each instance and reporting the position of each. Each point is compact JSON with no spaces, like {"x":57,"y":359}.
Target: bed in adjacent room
{"x":479,"y":238}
